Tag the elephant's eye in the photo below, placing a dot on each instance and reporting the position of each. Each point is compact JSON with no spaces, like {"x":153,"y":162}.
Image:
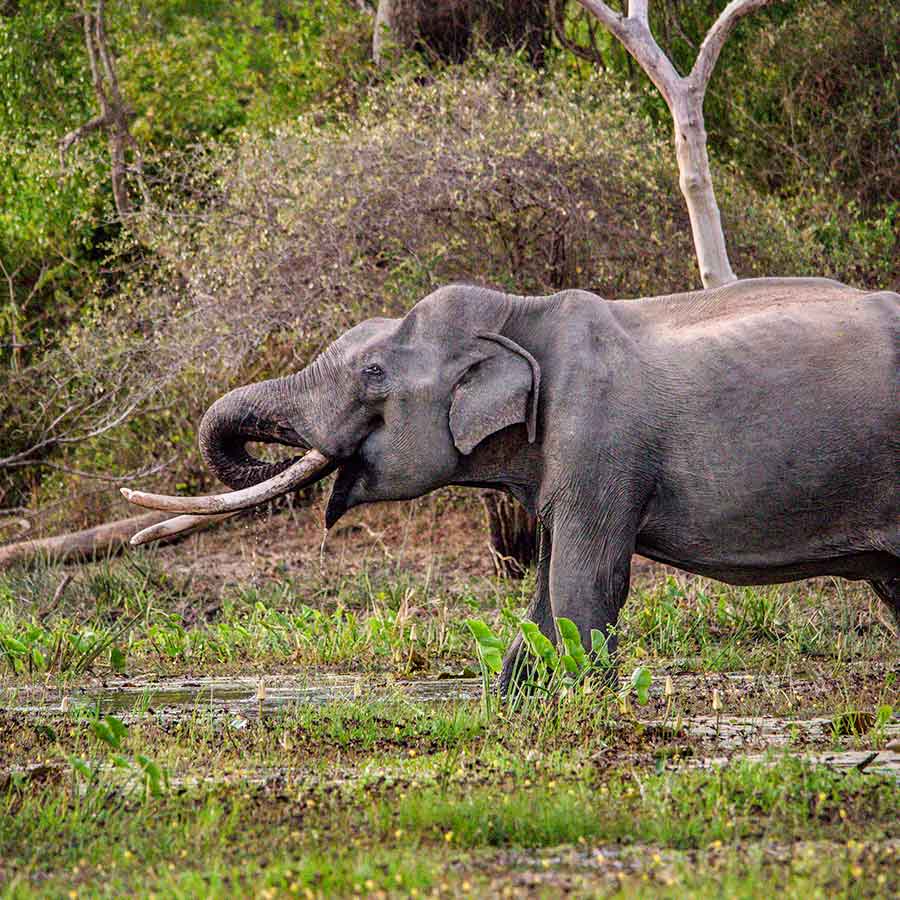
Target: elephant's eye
{"x":373,"y":372}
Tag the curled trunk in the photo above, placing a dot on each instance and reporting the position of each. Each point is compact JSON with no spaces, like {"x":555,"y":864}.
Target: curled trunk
{"x":257,"y":412}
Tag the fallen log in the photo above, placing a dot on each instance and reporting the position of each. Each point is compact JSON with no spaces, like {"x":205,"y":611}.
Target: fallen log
{"x":99,"y":542}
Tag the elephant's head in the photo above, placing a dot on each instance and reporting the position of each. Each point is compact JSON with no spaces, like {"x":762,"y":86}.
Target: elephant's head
{"x":398,"y":406}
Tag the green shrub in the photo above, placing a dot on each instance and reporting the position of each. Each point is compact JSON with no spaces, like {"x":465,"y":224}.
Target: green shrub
{"x":272,"y":246}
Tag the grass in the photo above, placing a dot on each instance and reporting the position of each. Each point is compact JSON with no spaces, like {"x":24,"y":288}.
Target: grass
{"x":133,"y":616}
{"x":579,"y":794}
{"x":368,"y":833}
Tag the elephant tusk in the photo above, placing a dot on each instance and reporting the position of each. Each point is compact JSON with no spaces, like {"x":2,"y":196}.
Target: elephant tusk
{"x":175,"y":525}
{"x":296,"y":475}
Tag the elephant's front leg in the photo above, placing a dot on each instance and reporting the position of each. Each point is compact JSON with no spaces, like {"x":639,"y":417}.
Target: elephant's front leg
{"x":515,"y":663}
{"x":590,"y":574}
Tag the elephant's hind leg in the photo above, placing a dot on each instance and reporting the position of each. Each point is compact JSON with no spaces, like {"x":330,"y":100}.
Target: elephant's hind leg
{"x":888,"y":589}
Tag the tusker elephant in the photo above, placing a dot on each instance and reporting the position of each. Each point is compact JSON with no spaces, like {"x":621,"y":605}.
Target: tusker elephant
{"x":748,"y":433}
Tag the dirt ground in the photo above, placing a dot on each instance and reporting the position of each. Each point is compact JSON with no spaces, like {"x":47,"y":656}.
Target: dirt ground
{"x":259,"y":712}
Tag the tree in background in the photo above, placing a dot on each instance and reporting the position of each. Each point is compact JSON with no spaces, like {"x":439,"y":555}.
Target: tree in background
{"x":114,"y":118}
{"x":684,"y":95}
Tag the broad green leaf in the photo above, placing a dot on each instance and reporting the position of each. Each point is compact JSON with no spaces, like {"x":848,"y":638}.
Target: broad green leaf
{"x":600,"y":647}
{"x":14,"y":646}
{"x":483,"y":634}
{"x":539,"y":645}
{"x":640,"y":681}
{"x":153,"y":774}
{"x":570,"y":664}
{"x":491,"y":657}
{"x":571,"y":638}
{"x":106,"y":734}
{"x":80,"y":766}
{"x":116,"y":726}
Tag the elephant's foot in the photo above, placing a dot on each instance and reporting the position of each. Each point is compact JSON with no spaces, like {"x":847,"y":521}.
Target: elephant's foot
{"x":519,"y":669}
{"x":516,"y":669}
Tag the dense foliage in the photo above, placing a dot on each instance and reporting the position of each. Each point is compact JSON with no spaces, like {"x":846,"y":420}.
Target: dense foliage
{"x":293,"y":189}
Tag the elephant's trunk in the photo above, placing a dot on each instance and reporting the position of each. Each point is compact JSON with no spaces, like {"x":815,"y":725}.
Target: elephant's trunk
{"x":258,"y":412}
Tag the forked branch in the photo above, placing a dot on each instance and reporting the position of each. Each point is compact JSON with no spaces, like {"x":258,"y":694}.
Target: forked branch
{"x":684,"y":96}
{"x":115,"y":114}
{"x":712,"y":45}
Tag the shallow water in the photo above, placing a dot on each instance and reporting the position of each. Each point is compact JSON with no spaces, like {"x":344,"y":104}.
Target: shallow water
{"x":234,"y":701}
{"x":241,"y":696}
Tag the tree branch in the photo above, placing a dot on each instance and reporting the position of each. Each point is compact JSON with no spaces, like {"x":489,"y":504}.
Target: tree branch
{"x":558,"y":21}
{"x":614,"y":21}
{"x":76,"y":134}
{"x":99,"y":542}
{"x":634,"y":33}
{"x":114,"y":112}
{"x":637,"y":10}
{"x":715,"y":40}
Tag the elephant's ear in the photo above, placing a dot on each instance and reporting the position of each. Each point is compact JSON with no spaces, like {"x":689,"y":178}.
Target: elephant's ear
{"x":500,"y":390}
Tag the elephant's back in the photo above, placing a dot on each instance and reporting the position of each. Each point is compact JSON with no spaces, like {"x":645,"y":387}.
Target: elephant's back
{"x":750,"y":297}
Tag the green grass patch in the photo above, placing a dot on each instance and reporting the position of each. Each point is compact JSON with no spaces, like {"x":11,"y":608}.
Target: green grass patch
{"x":788,"y":799}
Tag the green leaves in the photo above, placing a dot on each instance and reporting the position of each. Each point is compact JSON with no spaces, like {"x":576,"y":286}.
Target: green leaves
{"x":154,"y":777}
{"x":600,"y":649}
{"x":640,"y":681}
{"x":545,"y":667}
{"x":110,"y":730}
{"x":490,"y":648}
{"x":575,"y":659}
{"x":81,"y":767}
{"x":541,"y":648}
{"x":116,"y":659}
{"x":65,"y":646}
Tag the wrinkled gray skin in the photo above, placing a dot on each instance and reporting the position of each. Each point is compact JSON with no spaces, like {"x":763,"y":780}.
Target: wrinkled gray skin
{"x":748,"y":433}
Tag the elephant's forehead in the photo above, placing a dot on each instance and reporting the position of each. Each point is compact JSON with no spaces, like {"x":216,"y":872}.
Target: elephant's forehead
{"x":367,"y":336}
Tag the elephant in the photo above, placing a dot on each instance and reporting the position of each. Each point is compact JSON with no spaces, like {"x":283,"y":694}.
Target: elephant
{"x":748,"y":433}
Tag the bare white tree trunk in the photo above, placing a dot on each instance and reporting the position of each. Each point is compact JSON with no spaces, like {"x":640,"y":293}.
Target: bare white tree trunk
{"x":684,"y":96}
{"x":384,"y":24}
{"x":696,"y":185}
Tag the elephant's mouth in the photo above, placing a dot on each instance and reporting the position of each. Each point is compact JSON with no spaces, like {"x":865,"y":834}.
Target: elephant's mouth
{"x":349,"y":474}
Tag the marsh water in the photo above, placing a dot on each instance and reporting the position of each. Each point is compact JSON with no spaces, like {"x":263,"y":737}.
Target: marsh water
{"x":249,"y":696}
{"x":696,"y":741}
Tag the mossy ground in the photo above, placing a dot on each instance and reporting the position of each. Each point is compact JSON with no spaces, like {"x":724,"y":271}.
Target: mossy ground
{"x":378,"y":792}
